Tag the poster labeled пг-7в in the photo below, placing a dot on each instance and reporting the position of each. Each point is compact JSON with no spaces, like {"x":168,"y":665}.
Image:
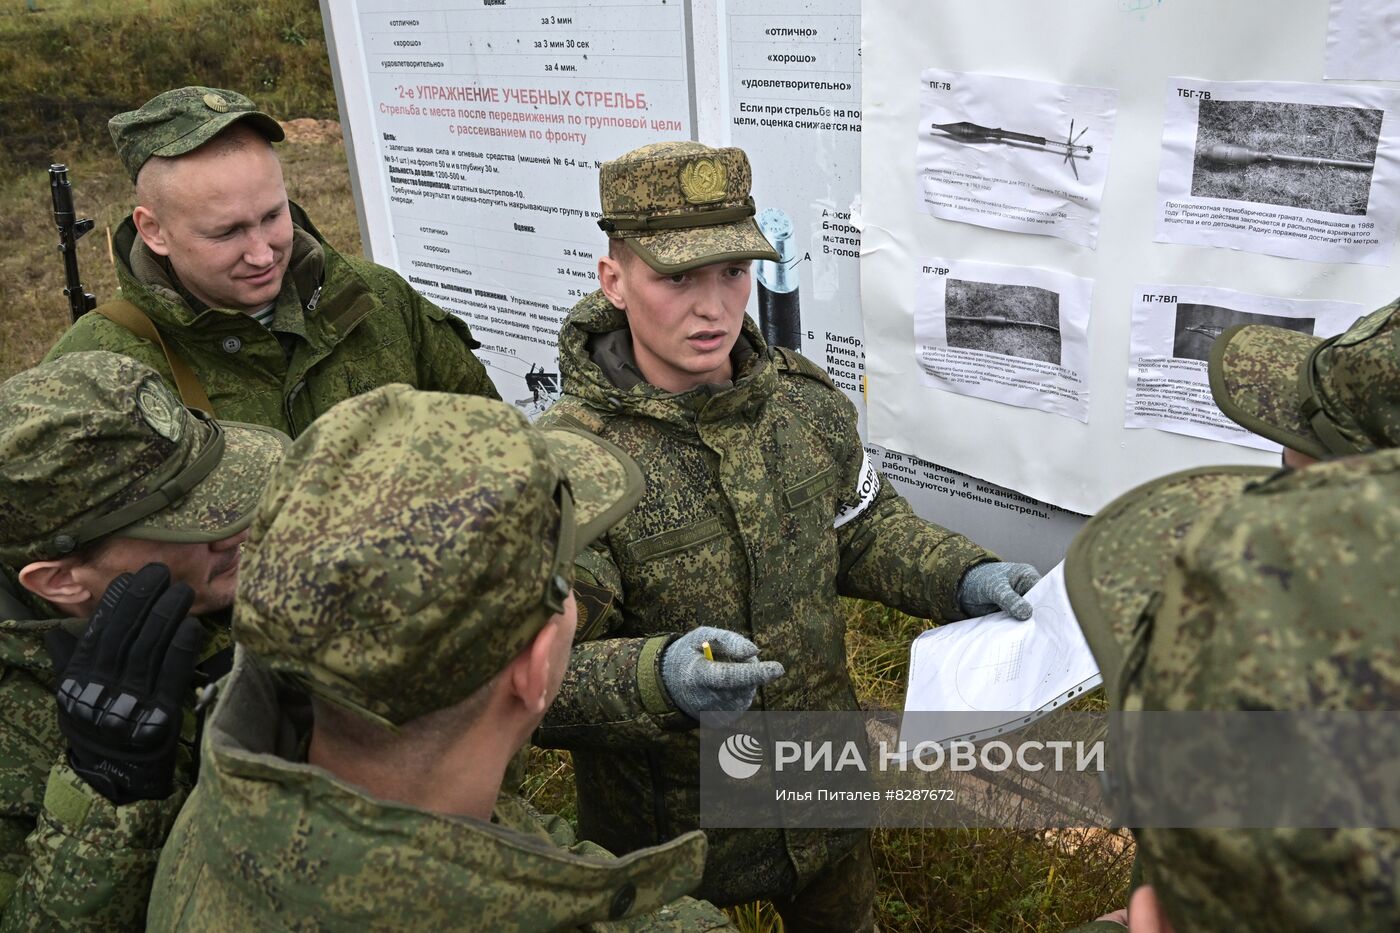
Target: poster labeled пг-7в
{"x":1024,"y":156}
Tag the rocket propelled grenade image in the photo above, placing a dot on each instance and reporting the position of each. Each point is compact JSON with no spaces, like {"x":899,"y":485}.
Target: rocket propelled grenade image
{"x":1001,"y":320}
{"x":779,"y":312}
{"x":1240,"y":156}
{"x":1071,"y":148}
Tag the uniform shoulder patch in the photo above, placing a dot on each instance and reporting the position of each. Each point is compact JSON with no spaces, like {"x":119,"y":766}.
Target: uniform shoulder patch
{"x":794,"y":362}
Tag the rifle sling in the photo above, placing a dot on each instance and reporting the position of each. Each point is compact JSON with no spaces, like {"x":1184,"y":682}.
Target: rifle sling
{"x":125,"y":314}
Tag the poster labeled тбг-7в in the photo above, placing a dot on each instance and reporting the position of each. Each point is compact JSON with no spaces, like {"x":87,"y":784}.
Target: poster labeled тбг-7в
{"x":793,"y":84}
{"x":1010,"y":334}
{"x":1303,"y":171}
{"x":1174,"y":327}
{"x":1024,"y":156}
{"x":489,"y":123}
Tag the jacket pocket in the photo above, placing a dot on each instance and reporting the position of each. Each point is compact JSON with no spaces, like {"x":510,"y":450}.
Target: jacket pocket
{"x":677,"y":539}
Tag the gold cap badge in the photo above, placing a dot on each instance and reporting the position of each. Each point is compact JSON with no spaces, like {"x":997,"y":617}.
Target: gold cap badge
{"x":703,"y":181}
{"x":216,"y":103}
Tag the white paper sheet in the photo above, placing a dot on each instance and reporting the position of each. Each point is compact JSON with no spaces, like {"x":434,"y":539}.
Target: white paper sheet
{"x":1231,"y":174}
{"x":1362,"y":39}
{"x":1008,"y":673}
{"x":1005,"y":333}
{"x":1173,"y":328}
{"x":970,"y":170}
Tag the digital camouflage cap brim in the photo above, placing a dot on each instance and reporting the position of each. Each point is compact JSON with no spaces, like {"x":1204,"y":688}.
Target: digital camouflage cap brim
{"x":1218,"y":590}
{"x":180,"y":121}
{"x":94,"y":444}
{"x":414,"y":542}
{"x":682,"y":205}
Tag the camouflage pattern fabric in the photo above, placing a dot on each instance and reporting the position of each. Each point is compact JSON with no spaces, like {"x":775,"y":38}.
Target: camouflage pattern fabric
{"x":182,"y":120}
{"x":269,"y":842}
{"x":91,"y":433}
{"x":413,"y":543}
{"x":69,"y":858}
{"x":1279,"y":595}
{"x":1324,"y":398}
{"x":682,"y":205}
{"x":348,"y":326}
{"x":736,"y":530}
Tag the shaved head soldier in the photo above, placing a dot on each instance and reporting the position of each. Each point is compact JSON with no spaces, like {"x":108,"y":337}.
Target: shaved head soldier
{"x":235,"y":298}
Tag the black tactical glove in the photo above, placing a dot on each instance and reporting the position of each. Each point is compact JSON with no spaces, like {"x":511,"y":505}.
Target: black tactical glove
{"x":122,"y":685}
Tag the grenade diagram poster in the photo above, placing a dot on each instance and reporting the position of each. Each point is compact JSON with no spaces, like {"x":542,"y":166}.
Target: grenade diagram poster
{"x":1065,"y":203}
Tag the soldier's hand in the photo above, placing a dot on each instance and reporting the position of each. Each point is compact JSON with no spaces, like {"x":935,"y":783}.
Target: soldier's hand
{"x":122,"y":686}
{"x":996,"y":587}
{"x":729,"y":683}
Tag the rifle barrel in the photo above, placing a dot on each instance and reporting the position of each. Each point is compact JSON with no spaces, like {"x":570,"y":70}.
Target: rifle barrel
{"x":70,"y":230}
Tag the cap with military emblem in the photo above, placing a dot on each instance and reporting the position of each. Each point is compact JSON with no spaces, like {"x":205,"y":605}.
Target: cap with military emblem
{"x":1236,"y":588}
{"x":682,"y":205}
{"x":94,"y":444}
{"x":1324,"y":398}
{"x":413,"y":543}
{"x":182,"y":120}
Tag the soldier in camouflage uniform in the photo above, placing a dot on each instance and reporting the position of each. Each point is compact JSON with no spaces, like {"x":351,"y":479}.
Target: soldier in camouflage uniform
{"x":761,"y":508}
{"x":1234,"y":588}
{"x":1318,"y":398}
{"x":276,"y":325}
{"x":403,"y":620}
{"x":101,"y":472}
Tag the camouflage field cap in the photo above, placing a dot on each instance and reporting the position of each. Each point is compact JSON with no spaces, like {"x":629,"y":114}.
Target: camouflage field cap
{"x":182,"y":120}
{"x":1325,"y":398}
{"x":682,"y":205}
{"x":94,"y":444}
{"x":1235,"y":589}
{"x":413,"y":543}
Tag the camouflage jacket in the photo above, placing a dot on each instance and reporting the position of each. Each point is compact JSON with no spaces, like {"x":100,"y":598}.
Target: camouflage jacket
{"x":343,"y":325}
{"x":69,"y":858}
{"x":761,"y":508}
{"x":268,"y":842}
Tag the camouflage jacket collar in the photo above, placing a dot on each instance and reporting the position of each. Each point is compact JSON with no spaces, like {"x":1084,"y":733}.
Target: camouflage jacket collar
{"x":323,"y":297}
{"x":264,"y":799}
{"x":598,"y":369}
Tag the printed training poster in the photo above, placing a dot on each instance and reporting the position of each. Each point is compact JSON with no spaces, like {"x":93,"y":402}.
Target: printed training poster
{"x":793,"y":86}
{"x":488,"y":122}
{"x":1005,"y":333}
{"x":1018,"y":155}
{"x":1227,"y":164}
{"x":1173,"y":329}
{"x":1362,"y":39}
{"x":1306,"y":171}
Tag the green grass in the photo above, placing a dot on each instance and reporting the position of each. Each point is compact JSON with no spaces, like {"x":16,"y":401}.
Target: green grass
{"x":70,"y":65}
{"x":928,"y":879}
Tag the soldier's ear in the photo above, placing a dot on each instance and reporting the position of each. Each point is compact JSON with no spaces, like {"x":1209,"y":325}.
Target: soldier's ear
{"x":610,"y":279}
{"x":55,"y":581}
{"x":152,"y":232}
{"x":535,"y":671}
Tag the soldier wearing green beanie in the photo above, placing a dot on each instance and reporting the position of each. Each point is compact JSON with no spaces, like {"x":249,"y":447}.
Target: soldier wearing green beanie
{"x":230,"y":292}
{"x":1318,"y":398}
{"x":1234,"y":588}
{"x":405,"y":617}
{"x":761,"y":509}
{"x":108,"y":486}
